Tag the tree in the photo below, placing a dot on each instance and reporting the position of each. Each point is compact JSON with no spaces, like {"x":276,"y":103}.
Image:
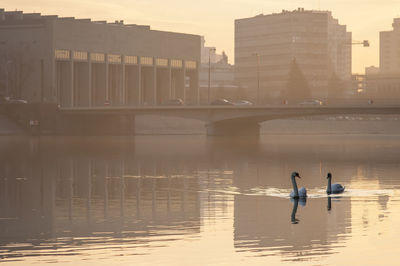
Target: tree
{"x":18,"y":65}
{"x":297,"y":87}
{"x":335,"y":87}
{"x":224,"y":59}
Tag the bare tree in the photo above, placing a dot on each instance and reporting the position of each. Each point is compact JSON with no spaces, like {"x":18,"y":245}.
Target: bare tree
{"x":18,"y":66}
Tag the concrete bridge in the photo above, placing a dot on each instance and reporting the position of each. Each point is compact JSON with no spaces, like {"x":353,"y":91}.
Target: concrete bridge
{"x":222,"y":120}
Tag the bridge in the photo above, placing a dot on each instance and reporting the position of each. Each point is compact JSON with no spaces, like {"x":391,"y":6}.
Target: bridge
{"x":221,"y":120}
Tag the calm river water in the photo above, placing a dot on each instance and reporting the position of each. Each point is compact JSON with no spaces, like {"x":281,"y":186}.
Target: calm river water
{"x":193,"y":200}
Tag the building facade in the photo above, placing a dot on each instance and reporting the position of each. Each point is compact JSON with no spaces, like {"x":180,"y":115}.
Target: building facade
{"x":218,"y":73}
{"x":389,"y":51}
{"x":265,"y":46}
{"x":84,"y":63}
{"x":383,"y":83}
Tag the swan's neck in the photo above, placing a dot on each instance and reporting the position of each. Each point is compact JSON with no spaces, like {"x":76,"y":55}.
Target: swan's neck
{"x":329,"y":188}
{"x":295,"y":190}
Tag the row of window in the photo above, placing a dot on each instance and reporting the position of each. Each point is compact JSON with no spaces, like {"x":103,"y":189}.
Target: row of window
{"x":117,"y":59}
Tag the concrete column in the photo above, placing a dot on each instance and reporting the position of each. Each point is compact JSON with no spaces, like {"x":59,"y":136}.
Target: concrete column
{"x":53,"y":67}
{"x":107,"y":77}
{"x":154,"y":81}
{"x":197,"y":84}
{"x":173,"y":85}
{"x":53,"y":87}
{"x":72,"y":78}
{"x":169,"y":85}
{"x":184,"y":80}
{"x":90,"y":80}
{"x":139,"y":82}
{"x":123,"y":94}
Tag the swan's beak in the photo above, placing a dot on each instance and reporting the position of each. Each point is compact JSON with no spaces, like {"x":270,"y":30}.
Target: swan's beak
{"x":298,"y":176}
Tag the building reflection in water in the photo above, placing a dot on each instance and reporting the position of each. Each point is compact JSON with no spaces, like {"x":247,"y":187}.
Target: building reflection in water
{"x":264,"y":227}
{"x":66,"y":192}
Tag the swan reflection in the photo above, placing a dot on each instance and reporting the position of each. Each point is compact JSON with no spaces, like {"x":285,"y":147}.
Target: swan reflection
{"x":296,"y":202}
{"x":329,"y":203}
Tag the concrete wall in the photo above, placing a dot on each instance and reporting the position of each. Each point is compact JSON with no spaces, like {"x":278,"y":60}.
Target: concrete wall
{"x":124,"y":39}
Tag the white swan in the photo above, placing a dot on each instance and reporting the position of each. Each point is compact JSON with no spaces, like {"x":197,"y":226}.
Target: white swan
{"x":333,"y":188}
{"x":297,"y":193}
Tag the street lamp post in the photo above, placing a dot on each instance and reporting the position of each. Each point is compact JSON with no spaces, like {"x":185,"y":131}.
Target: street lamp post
{"x":7,"y":72}
{"x":258,"y":77}
{"x":209,"y":73}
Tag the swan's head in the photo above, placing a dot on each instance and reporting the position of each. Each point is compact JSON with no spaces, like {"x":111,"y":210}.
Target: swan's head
{"x":329,"y":175}
{"x":295,"y":174}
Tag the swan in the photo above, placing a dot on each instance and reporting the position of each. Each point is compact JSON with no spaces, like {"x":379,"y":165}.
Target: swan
{"x":302,"y":192}
{"x":333,"y":188}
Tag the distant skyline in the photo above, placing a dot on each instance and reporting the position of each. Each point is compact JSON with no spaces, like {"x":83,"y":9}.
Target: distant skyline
{"x":215,"y":19}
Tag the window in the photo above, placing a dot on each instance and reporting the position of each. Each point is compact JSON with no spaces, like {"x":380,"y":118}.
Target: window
{"x":162,"y":62}
{"x":78,"y":55}
{"x":190,"y":64}
{"x":62,"y":54}
{"x":176,"y":63}
{"x":145,"y":60}
{"x":97,"y":57}
{"x":114,"y":58}
{"x":131,"y":60}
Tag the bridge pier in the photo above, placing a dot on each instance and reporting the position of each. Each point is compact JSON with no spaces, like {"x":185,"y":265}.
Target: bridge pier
{"x":233,"y":128}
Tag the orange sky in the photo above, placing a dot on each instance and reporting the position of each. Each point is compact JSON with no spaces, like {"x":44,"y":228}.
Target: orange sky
{"x":215,"y":18}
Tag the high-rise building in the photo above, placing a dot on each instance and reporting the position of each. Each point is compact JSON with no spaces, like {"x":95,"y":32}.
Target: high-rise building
{"x":389,"y":54}
{"x":384,"y":82}
{"x":265,"y":46}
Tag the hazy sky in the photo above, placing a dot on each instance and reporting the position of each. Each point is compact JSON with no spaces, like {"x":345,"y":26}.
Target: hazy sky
{"x":215,"y":18}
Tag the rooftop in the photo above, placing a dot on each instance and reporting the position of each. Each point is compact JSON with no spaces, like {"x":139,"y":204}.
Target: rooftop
{"x":18,"y":17}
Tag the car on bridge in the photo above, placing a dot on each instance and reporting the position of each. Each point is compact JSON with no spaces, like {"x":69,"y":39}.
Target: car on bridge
{"x":10,"y":100}
{"x":312,"y":102}
{"x":173,"y":102}
{"x":221,"y":102}
{"x":243,"y":103}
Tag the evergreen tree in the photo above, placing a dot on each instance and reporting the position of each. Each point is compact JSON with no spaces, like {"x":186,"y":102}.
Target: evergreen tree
{"x":335,"y":88}
{"x":297,"y":88}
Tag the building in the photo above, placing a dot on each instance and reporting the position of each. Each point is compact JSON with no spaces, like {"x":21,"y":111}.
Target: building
{"x":209,"y":53}
{"x":383,"y":83}
{"x":216,"y":70}
{"x":269,"y":43}
{"x":389,"y":56}
{"x":84,"y":63}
